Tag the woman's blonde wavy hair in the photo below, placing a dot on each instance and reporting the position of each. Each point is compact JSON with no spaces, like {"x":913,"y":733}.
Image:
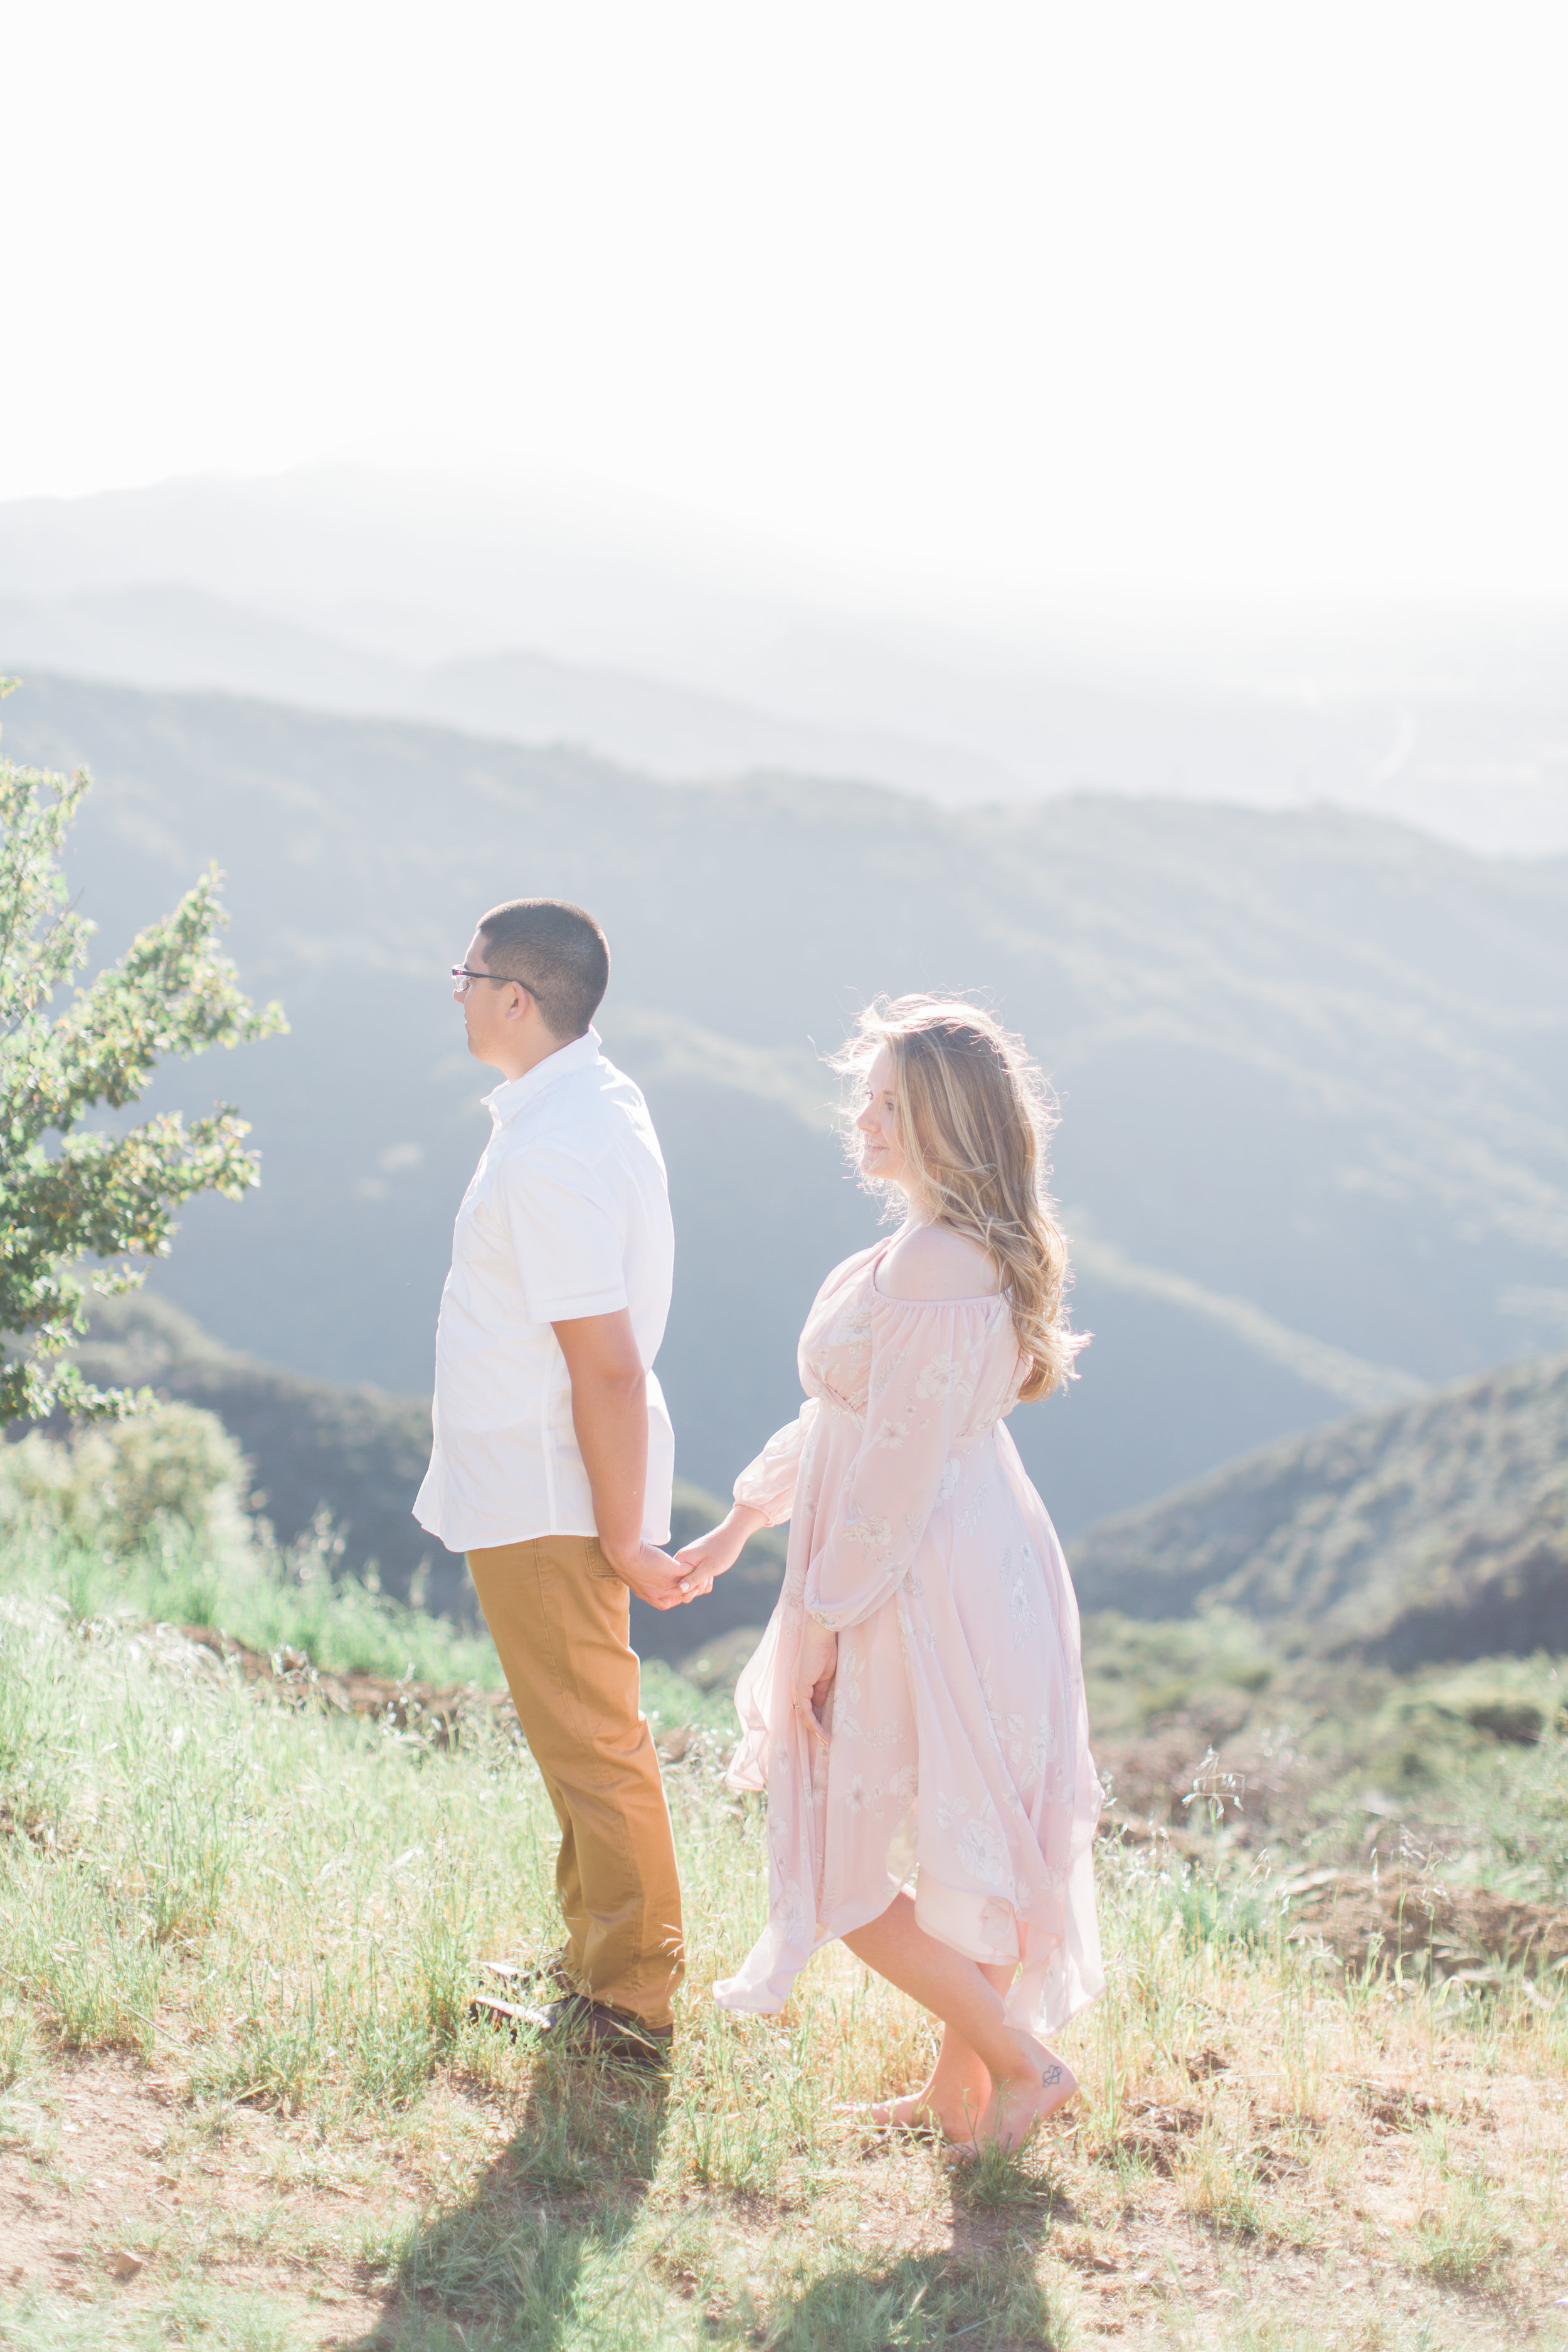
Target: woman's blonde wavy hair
{"x":974,"y":1119}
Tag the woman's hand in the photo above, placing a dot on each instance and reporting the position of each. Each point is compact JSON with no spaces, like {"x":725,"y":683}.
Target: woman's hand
{"x":650,"y":1573}
{"x":816,"y":1663}
{"x":720,"y":1548}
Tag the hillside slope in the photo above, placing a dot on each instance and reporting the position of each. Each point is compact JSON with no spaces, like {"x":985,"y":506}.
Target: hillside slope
{"x":339,"y":587}
{"x":1305,"y":1060}
{"x":1436,"y":1531}
{"x":360,"y":1454}
{"x":170,"y":637}
{"x":312,"y":1444}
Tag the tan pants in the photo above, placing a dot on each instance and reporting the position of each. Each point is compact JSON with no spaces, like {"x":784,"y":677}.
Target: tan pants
{"x":559,"y":1618}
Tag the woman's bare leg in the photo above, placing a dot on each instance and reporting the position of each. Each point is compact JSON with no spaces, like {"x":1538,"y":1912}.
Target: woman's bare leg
{"x":959,"y":2088}
{"x":1027,"y":2081}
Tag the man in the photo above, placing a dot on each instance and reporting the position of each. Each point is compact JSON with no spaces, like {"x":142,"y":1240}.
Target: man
{"x":554,"y":1453}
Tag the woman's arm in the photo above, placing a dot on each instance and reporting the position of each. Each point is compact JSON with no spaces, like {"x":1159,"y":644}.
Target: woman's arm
{"x":719,"y":1549}
{"x":765,"y":1494}
{"x":768,"y":1484}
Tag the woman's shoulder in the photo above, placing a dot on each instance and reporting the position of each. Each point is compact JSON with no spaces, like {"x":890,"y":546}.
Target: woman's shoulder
{"x":848,"y":1270}
{"x":934,"y":1266}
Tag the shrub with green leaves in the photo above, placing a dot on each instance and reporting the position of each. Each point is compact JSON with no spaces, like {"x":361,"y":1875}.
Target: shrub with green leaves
{"x":115,"y":1485}
{"x":67,"y":1193}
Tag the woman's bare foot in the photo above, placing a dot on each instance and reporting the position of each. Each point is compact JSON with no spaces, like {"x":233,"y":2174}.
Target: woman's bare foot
{"x":909,"y":2113}
{"x":920,"y":2111}
{"x":1020,"y":2101}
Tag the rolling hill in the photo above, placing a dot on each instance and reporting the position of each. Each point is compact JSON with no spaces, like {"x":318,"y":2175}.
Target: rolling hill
{"x":1479,"y":765}
{"x":547,"y":615}
{"x":168,"y":635}
{"x":1314,"y":1069}
{"x":1436,"y":1531}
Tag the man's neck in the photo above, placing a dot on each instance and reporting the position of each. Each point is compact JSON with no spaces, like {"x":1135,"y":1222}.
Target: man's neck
{"x":517,"y":1067}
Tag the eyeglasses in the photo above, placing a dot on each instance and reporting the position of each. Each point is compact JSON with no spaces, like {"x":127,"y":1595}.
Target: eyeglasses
{"x":501,"y":979}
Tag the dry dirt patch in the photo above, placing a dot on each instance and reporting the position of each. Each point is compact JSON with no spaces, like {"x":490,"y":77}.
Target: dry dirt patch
{"x":1463,"y":1932}
{"x":429,"y":1711}
{"x":110,"y":2188}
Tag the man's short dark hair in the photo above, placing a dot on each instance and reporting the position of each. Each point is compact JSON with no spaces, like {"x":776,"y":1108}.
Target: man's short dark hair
{"x":558,"y":953}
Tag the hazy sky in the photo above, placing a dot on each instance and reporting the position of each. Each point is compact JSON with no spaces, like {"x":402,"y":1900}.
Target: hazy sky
{"x":981,"y":293}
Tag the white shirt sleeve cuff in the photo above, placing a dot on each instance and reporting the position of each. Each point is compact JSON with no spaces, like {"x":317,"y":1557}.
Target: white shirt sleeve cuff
{"x":567,"y":1308}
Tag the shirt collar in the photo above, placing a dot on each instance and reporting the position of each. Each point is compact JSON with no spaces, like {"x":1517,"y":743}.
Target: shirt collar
{"x":505,"y":1101}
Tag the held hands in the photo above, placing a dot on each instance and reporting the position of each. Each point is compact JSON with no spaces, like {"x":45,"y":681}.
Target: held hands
{"x":815,"y":1664}
{"x":652,"y":1575}
{"x":666,"y":1583}
{"x":719,"y":1549}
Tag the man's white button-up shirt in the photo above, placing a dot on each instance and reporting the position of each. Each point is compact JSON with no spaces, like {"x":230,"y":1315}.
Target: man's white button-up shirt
{"x":568,"y":1214}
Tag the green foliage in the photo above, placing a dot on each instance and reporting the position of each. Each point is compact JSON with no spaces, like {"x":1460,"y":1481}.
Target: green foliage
{"x":1140,"y":1669}
{"x":95,"y":1193}
{"x":117,"y":1485}
{"x":1433,"y":1532}
{"x":670,"y":1701}
{"x":141,"y":1520}
{"x":1459,"y":2237}
{"x":1513,"y":1702}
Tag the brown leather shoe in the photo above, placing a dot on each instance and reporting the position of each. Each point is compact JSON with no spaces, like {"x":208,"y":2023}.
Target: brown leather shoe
{"x":532,"y":1980}
{"x":587,"y":2028}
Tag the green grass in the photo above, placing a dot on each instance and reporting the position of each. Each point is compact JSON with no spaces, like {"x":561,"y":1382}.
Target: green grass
{"x":265,"y":1600}
{"x":275,"y":1915}
{"x":1140,"y":1669}
{"x":195,"y":2315}
{"x":140,"y":1521}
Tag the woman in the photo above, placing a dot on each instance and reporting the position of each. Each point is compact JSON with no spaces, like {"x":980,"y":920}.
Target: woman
{"x":916,"y":1707}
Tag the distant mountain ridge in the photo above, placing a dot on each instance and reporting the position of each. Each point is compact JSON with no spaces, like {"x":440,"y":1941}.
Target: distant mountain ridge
{"x":343,"y":590}
{"x":175,"y":637}
{"x":1313,"y":1069}
{"x":1436,"y":1531}
{"x":313,"y":1445}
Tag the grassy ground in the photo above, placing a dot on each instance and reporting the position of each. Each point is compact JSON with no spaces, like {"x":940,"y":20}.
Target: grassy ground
{"x":1456,"y":1768}
{"x":243,"y":2105}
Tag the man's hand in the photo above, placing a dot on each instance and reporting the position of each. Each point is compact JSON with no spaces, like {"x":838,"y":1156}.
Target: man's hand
{"x":652,"y":1575}
{"x":815,"y":1664}
{"x":719,"y":1549}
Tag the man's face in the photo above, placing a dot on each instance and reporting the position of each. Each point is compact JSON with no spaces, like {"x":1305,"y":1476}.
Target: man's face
{"x":491,"y":1010}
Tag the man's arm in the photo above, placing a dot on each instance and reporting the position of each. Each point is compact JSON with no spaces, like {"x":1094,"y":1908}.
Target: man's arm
{"x":609,"y":1414}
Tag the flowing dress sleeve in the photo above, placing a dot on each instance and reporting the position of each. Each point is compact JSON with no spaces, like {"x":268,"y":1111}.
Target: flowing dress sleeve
{"x":767,"y":1485}
{"x":932,"y":1394}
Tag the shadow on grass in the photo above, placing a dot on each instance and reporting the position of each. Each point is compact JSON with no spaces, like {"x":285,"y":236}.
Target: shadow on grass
{"x":983,"y":2292}
{"x":523,"y":2258}
{"x":531,"y":2257}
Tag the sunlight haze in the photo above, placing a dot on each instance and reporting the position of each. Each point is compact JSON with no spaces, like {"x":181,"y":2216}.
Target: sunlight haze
{"x":979,"y":305}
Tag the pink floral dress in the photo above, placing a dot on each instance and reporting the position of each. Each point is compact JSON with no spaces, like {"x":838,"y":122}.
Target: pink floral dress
{"x":960,"y":1748}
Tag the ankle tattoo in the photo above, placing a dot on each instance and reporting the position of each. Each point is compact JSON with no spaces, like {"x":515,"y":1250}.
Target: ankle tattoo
{"x":1050,"y":2075}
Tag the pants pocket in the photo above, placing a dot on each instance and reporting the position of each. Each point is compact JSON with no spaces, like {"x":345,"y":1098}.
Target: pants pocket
{"x":598,"y":1566}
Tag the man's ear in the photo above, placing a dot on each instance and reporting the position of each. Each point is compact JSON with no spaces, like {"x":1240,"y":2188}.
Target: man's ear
{"x":526,"y":1006}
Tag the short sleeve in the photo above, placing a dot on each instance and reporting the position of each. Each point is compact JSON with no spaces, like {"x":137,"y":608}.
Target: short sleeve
{"x":568,"y":1228}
